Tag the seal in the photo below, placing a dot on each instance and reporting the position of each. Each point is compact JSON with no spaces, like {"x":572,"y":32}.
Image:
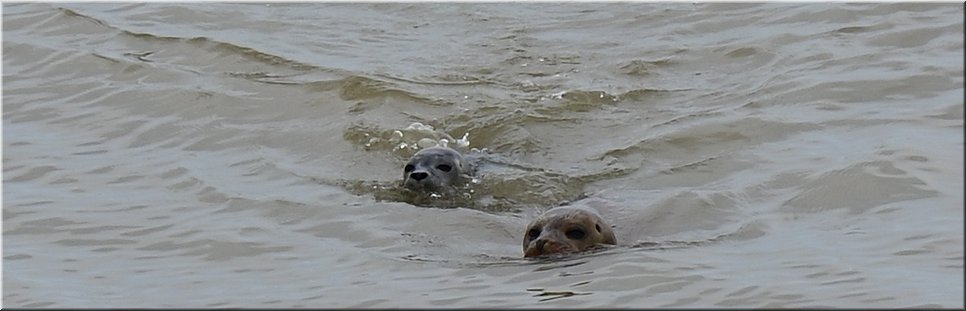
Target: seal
{"x":566,"y":229}
{"x":433,"y":169}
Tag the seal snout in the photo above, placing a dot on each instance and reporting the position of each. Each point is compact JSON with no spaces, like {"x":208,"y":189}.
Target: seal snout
{"x":546,"y":246}
{"x":417,"y":176}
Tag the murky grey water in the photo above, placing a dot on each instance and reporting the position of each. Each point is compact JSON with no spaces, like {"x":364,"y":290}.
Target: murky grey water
{"x":244,"y":155}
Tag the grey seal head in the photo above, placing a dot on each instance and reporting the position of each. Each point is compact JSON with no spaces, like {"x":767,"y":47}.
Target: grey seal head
{"x":566,"y":229}
{"x":433,"y":169}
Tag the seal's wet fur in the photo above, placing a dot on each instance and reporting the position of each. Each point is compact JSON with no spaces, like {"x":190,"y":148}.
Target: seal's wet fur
{"x":433,"y":169}
{"x":566,"y":229}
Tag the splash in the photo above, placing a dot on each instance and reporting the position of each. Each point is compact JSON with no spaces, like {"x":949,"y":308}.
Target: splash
{"x":406,"y":141}
{"x":420,"y":136}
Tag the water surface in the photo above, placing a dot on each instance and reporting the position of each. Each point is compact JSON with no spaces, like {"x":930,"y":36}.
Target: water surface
{"x":244,"y":155}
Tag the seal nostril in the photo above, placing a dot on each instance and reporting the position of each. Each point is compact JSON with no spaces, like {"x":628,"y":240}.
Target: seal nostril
{"x":419,"y":175}
{"x":540,"y":244}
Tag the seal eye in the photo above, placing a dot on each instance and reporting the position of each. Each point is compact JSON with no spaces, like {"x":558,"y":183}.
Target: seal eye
{"x":533,"y":234}
{"x":444,"y":167}
{"x":409,"y":168}
{"x":576,"y":234}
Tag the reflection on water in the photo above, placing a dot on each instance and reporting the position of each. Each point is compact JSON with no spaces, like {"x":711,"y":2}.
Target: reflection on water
{"x":224,"y":155}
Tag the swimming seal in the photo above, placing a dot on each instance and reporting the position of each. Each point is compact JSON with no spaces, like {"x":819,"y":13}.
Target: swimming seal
{"x":433,"y":169}
{"x":566,"y":229}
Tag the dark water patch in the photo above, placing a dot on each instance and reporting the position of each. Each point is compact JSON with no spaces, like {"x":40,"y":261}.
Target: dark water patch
{"x":363,"y":88}
{"x":639,"y":67}
{"x":46,"y":225}
{"x":33,"y":173}
{"x":94,"y":242}
{"x":72,"y":13}
{"x":270,"y":78}
{"x":647,"y":94}
{"x":17,"y":257}
{"x":850,"y":30}
{"x":445,"y":80}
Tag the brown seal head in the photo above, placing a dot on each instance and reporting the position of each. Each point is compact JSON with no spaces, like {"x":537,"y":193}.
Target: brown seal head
{"x":433,"y":168}
{"x":566,"y":229}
